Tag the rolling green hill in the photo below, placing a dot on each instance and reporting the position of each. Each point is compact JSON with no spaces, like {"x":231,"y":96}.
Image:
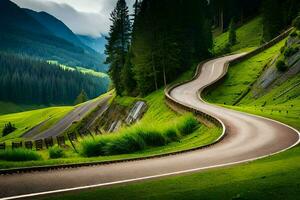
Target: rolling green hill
{"x":24,"y":121}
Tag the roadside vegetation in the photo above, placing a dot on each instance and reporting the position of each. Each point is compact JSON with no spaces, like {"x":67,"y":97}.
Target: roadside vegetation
{"x":275,"y":177}
{"x":139,"y":138}
{"x":160,"y":131}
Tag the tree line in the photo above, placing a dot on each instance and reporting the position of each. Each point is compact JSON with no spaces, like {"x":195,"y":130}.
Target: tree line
{"x":163,"y":41}
{"x":29,"y":81}
{"x":167,"y":37}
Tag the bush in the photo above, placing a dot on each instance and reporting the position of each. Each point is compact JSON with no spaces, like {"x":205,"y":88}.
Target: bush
{"x":8,"y":128}
{"x":282,"y":49}
{"x":294,"y":34}
{"x":171,"y":134}
{"x":152,"y":137}
{"x":93,"y":147}
{"x":188,"y":125}
{"x":127,"y":143}
{"x":56,"y":152}
{"x":281,"y":66}
{"x":291,"y":51}
{"x":296,"y":22}
{"x":19,"y":155}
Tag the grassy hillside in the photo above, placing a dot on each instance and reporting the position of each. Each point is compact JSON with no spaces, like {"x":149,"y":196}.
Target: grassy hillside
{"x":9,"y":107}
{"x":277,"y":103}
{"x":249,"y":36}
{"x":80,"y":69}
{"x":241,"y":76}
{"x":26,"y":120}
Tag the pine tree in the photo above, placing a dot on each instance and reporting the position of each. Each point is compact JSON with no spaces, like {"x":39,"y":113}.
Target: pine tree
{"x":118,"y":43}
{"x":167,"y":39}
{"x":81,"y":98}
{"x":232,"y":33}
{"x":127,"y":75}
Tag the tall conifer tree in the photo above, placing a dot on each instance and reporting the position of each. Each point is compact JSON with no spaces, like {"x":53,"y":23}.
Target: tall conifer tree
{"x":118,"y":43}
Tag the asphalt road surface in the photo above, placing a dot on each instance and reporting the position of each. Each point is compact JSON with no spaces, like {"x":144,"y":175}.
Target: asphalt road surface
{"x":248,"y":138}
{"x":74,"y":116}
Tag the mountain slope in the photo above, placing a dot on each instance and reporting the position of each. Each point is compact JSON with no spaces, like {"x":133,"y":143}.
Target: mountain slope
{"x":98,"y":44}
{"x":22,"y":34}
{"x":57,"y":27}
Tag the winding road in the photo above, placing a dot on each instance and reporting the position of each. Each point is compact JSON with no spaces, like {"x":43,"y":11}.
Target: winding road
{"x":74,"y":116}
{"x":248,"y":138}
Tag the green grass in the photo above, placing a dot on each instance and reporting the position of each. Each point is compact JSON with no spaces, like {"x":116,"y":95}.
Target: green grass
{"x":9,"y":107}
{"x":56,"y":152}
{"x":24,"y":121}
{"x":273,"y":178}
{"x":249,"y":36}
{"x":241,"y":76}
{"x":80,"y":69}
{"x":139,"y":137}
{"x":201,"y":137}
{"x":19,"y":155}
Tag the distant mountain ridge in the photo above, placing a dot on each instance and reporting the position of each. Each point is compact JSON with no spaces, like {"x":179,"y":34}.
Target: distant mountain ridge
{"x":39,"y":34}
{"x":98,"y":44}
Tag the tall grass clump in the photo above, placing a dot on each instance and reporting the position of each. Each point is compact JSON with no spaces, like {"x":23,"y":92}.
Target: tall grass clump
{"x":138,"y":137}
{"x":187,"y":125}
{"x":92,"y":147}
{"x":19,"y":155}
{"x":124,"y":143}
{"x":171,"y":134}
{"x":151,"y":136}
{"x":56,"y":152}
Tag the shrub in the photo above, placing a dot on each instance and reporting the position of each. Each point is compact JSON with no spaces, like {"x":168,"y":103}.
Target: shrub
{"x":281,"y":66}
{"x":8,"y":128}
{"x":19,"y":155}
{"x":188,"y":125}
{"x":296,"y":22}
{"x":56,"y":152}
{"x":152,"y":137}
{"x":291,"y":51}
{"x":127,"y":143}
{"x":171,"y":134}
{"x":294,"y":34}
{"x":93,"y":147}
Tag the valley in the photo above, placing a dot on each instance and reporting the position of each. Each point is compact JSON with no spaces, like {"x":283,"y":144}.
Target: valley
{"x":151,"y":100}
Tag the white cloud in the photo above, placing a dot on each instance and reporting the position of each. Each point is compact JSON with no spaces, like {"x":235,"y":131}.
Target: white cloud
{"x":86,"y":17}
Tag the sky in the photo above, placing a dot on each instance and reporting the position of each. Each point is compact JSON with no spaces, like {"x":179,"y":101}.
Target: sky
{"x":85,"y":17}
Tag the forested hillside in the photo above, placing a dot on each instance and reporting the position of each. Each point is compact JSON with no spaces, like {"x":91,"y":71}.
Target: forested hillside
{"x":27,"y":81}
{"x":166,"y":39}
{"x":46,"y":38}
